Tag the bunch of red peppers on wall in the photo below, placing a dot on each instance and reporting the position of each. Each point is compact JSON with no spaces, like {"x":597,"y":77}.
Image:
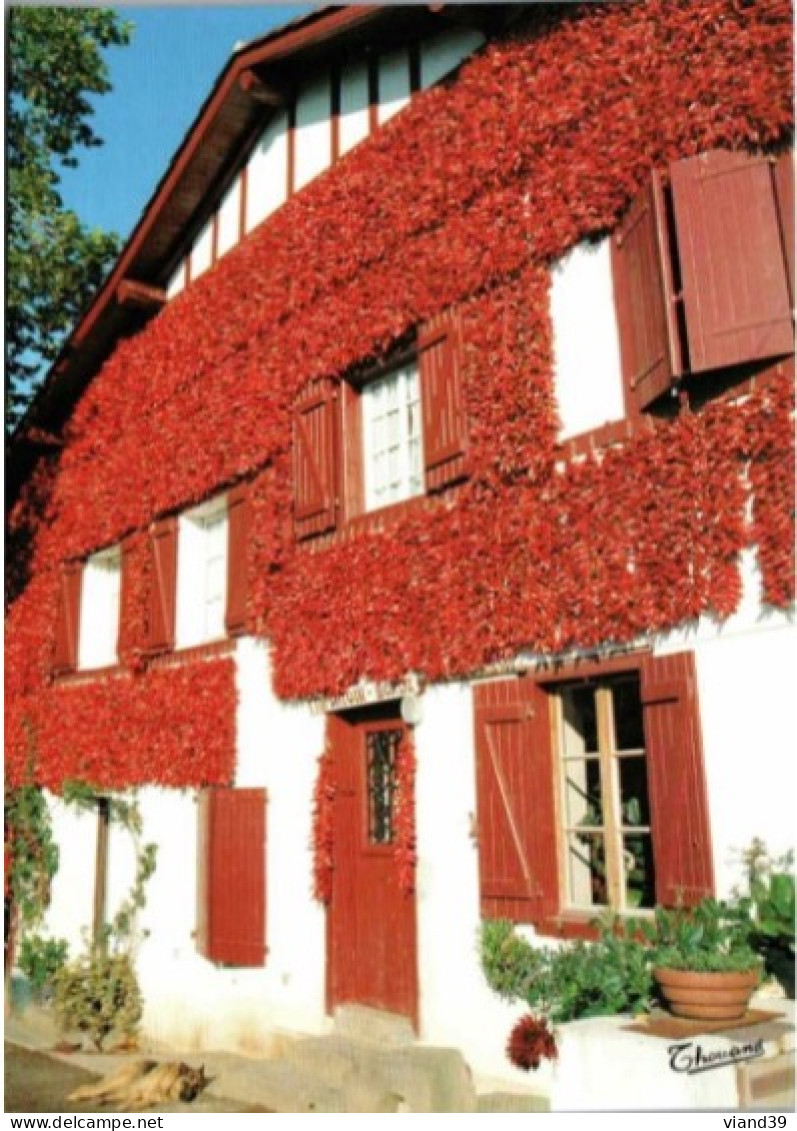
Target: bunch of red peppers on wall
{"x":465,"y":198}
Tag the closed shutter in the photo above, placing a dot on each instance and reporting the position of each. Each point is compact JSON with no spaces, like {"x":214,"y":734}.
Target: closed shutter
{"x":163,"y":585}
{"x":518,"y":870}
{"x":735,"y":292}
{"x":232,"y":919}
{"x":679,"y":809}
{"x":315,"y":449}
{"x":67,"y":623}
{"x":444,"y":419}
{"x":644,"y":298}
{"x":238,"y":514}
{"x":783,"y":175}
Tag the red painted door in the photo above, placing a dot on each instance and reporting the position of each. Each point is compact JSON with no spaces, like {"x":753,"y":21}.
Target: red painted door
{"x":371,"y":926}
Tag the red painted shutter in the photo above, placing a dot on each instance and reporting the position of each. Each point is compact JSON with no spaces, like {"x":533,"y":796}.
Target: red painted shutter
{"x":67,"y":623}
{"x":644,"y":298}
{"x":238,"y":515}
{"x":444,"y":420}
{"x":518,"y":869}
{"x":679,"y":809}
{"x":315,"y":472}
{"x":163,"y":584}
{"x":783,"y":174}
{"x":735,"y":292}
{"x":235,"y":915}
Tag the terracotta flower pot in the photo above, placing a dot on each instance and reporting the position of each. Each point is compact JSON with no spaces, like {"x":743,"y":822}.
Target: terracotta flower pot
{"x":707,"y":996}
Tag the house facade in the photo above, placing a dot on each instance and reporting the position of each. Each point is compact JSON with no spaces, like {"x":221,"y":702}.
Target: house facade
{"x":409,"y":520}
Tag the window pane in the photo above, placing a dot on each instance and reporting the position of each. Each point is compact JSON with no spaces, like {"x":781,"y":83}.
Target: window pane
{"x":586,"y":870}
{"x":634,"y":800}
{"x":627,"y":712}
{"x":381,"y":751}
{"x":580,"y":721}
{"x":392,"y":443}
{"x":583,"y":796}
{"x":640,"y":885}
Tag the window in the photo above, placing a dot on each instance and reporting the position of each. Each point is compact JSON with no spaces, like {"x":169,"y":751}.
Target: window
{"x":605,"y":802}
{"x":88,"y":613}
{"x":99,"y":610}
{"x":703,"y":270}
{"x":199,"y":594}
{"x":231,"y":910}
{"x":360,"y":445}
{"x":591,"y":793}
{"x":202,"y":574}
{"x":392,"y":437}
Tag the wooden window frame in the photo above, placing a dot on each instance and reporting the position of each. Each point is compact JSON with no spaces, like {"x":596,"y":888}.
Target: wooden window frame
{"x":612,"y":828}
{"x":680,"y":842}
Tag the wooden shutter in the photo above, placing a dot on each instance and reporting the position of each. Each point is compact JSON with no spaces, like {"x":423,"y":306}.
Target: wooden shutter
{"x":783,"y":177}
{"x":734,"y":277}
{"x":679,"y":809}
{"x":315,"y":449}
{"x":645,"y":299}
{"x":67,"y":623}
{"x":163,"y":584}
{"x":238,"y":515}
{"x":232,"y":919}
{"x":444,"y":420}
{"x":518,"y":868}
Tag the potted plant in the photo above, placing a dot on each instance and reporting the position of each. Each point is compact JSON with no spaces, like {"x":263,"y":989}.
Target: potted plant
{"x":703,"y":961}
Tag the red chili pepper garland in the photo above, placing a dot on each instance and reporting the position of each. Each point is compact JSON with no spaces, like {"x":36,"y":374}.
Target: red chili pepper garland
{"x":532,"y":554}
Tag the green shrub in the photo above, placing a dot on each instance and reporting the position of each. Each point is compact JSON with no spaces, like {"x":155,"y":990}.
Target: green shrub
{"x":98,"y":994}
{"x":40,"y":959}
{"x":583,"y":979}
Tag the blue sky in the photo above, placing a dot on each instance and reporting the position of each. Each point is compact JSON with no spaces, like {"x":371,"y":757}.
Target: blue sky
{"x":159,"y":82}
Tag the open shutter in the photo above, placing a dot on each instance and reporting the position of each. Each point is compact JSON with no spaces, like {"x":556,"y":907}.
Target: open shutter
{"x":644,"y":298}
{"x":315,"y":453}
{"x":237,"y":558}
{"x":444,"y":420}
{"x":735,"y":291}
{"x":679,"y":809}
{"x":163,"y":585}
{"x":518,"y":869}
{"x":233,"y":927}
{"x":67,"y":623}
{"x":783,"y":175}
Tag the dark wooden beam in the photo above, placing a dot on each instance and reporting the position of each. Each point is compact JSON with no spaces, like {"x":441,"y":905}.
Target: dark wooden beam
{"x":140,"y":296}
{"x":251,"y":84}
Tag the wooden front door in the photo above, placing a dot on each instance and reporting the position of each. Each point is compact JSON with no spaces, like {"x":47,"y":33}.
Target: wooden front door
{"x":371,"y":926}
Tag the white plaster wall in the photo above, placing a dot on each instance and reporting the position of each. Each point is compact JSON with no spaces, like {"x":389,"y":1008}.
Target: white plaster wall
{"x":746,"y":673}
{"x":71,"y":908}
{"x":313,"y":134}
{"x":442,"y":53}
{"x":394,"y":84}
{"x":202,"y":250}
{"x":589,"y":386}
{"x":229,"y":216}
{"x":267,"y":172}
{"x":353,"y":120}
{"x":177,"y":281}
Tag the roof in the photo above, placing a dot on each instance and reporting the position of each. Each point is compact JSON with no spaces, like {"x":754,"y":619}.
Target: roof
{"x":226,"y":126}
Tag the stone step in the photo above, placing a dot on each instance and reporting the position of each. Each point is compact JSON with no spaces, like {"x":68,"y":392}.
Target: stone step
{"x":376,"y":1026}
{"x":512,"y":1102}
{"x":283,"y":1087}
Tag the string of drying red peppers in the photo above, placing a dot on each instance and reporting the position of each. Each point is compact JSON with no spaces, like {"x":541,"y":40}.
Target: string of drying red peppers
{"x":404,"y":848}
{"x":540,"y":142}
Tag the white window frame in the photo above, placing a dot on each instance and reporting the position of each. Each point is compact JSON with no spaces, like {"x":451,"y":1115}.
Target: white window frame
{"x":101,"y":590}
{"x":392,"y":428}
{"x":202,"y":569}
